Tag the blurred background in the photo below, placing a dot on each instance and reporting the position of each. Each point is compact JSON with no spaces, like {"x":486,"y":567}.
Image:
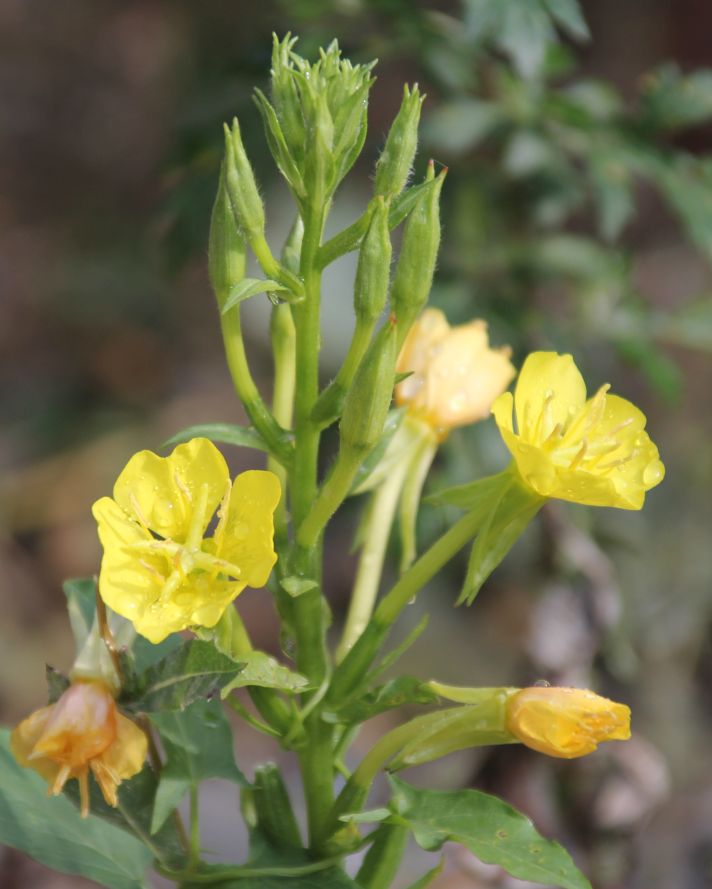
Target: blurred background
{"x":577,"y":216}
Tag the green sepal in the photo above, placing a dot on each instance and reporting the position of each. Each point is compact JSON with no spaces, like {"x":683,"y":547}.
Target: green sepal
{"x":371,"y":472}
{"x":251,"y":287}
{"x":295,"y":586}
{"x":278,"y":146}
{"x":53,"y":833}
{"x":57,"y":684}
{"x":194,"y":671}
{"x":396,"y":159}
{"x":244,"y":195}
{"x":198,"y":744}
{"x":222,"y":433}
{"x":491,"y":829}
{"x":456,"y":728}
{"x":262,"y":670}
{"x":227,"y":258}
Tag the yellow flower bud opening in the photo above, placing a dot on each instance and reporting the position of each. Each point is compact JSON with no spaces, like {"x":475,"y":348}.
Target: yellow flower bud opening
{"x":455,"y":375}
{"x":593,"y":451}
{"x":81,"y":731}
{"x":158,"y":569}
{"x":565,"y":722}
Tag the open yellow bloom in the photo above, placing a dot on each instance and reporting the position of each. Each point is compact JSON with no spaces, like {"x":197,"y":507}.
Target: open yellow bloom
{"x":158,"y":570}
{"x":565,"y":722}
{"x":591,"y":451}
{"x":82,"y":731}
{"x":455,"y":375}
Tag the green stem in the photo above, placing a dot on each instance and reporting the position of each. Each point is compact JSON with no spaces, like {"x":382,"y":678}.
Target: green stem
{"x":284,"y":350}
{"x":382,"y":510}
{"x":331,"y":496}
{"x":383,"y":859}
{"x":194,"y":855}
{"x":330,"y":402}
{"x":276,"y":438}
{"x":357,"y":662}
{"x":316,"y":756}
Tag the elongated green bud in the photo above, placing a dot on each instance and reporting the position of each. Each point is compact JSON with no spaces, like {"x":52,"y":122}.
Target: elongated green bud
{"x":374,"y":265}
{"x":274,"y":810}
{"x":241,"y":186}
{"x":367,"y":401}
{"x":418,"y":256}
{"x":396,"y":160}
{"x":226,"y":249}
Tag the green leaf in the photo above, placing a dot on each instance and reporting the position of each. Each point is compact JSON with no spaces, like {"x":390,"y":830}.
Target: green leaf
{"x":492,"y":830}
{"x":568,"y":15}
{"x":612,"y":191}
{"x":249,"y":287}
{"x":399,"y":691}
{"x":263,"y":670}
{"x":672,"y":100}
{"x":198,"y":744}
{"x":193,"y":671}
{"x":52,"y":831}
{"x":81,"y":605}
{"x":296,"y":586}
{"x":480,"y":494}
{"x":223,"y":433}
{"x":462,"y":124}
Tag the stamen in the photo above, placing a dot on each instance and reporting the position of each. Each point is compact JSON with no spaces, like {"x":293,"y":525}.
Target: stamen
{"x":84,"y":792}
{"x":580,"y":454}
{"x":555,"y":433}
{"x":60,"y":780}
{"x":181,"y":485}
{"x":139,"y":512}
{"x":151,"y":569}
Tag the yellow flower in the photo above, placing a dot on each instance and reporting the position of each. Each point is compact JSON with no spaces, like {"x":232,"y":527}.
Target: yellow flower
{"x":565,"y":722}
{"x":455,"y":375}
{"x":594,"y":452}
{"x":82,"y":731}
{"x":158,"y":570}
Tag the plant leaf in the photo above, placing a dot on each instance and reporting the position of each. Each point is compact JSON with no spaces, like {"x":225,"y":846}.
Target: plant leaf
{"x":194,"y":670}
{"x":223,"y":433}
{"x":490,"y":828}
{"x":262,"y":669}
{"x":52,"y":831}
{"x":399,"y":691}
{"x":249,"y":287}
{"x":199,"y":745}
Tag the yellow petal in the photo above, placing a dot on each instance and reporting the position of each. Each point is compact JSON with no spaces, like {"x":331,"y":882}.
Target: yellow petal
{"x":502,"y":408}
{"x":162,"y":491}
{"x":122,"y":760}
{"x":129,"y":580}
{"x":550,"y":391}
{"x":25,"y":736}
{"x":245,"y":531}
{"x":565,"y":722}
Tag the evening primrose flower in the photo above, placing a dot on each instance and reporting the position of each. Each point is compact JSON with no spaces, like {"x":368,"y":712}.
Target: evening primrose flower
{"x":158,"y":569}
{"x":82,"y":731}
{"x":591,"y":451}
{"x":455,"y":375}
{"x":565,"y":722}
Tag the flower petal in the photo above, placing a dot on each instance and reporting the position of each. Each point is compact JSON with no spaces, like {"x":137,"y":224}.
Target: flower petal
{"x":161,"y":491}
{"x":549,"y":390}
{"x":123,"y":759}
{"x":245,"y":531}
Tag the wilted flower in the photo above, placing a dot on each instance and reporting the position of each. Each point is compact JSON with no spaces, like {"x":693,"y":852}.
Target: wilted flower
{"x":82,"y":731}
{"x":158,"y":570}
{"x":455,"y":375}
{"x":594,"y":452}
{"x":565,"y":722}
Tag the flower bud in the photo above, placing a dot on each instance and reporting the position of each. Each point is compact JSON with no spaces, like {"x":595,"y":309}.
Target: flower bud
{"x":241,"y":186}
{"x":374,"y":265}
{"x":82,"y":731}
{"x":367,"y":401}
{"x":226,"y":249}
{"x":565,"y":722}
{"x":396,"y":160}
{"x":419,"y":252}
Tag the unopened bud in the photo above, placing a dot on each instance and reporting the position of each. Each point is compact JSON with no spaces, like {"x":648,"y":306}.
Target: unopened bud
{"x":419,"y":252}
{"x":367,"y":401}
{"x":374,"y":264}
{"x":396,"y":160}
{"x":241,"y":186}
{"x":226,"y":249}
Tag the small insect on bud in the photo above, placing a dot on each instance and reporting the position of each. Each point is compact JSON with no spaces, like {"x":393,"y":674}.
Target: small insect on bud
{"x":394,"y":164}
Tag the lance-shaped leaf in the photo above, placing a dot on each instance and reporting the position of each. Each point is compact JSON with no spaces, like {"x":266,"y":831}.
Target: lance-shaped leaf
{"x":396,"y":693}
{"x":194,"y":671}
{"x":53,"y":832}
{"x":265,"y":671}
{"x":198,"y":745}
{"x":490,"y":828}
{"x":251,"y":287}
{"x":222,"y":433}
